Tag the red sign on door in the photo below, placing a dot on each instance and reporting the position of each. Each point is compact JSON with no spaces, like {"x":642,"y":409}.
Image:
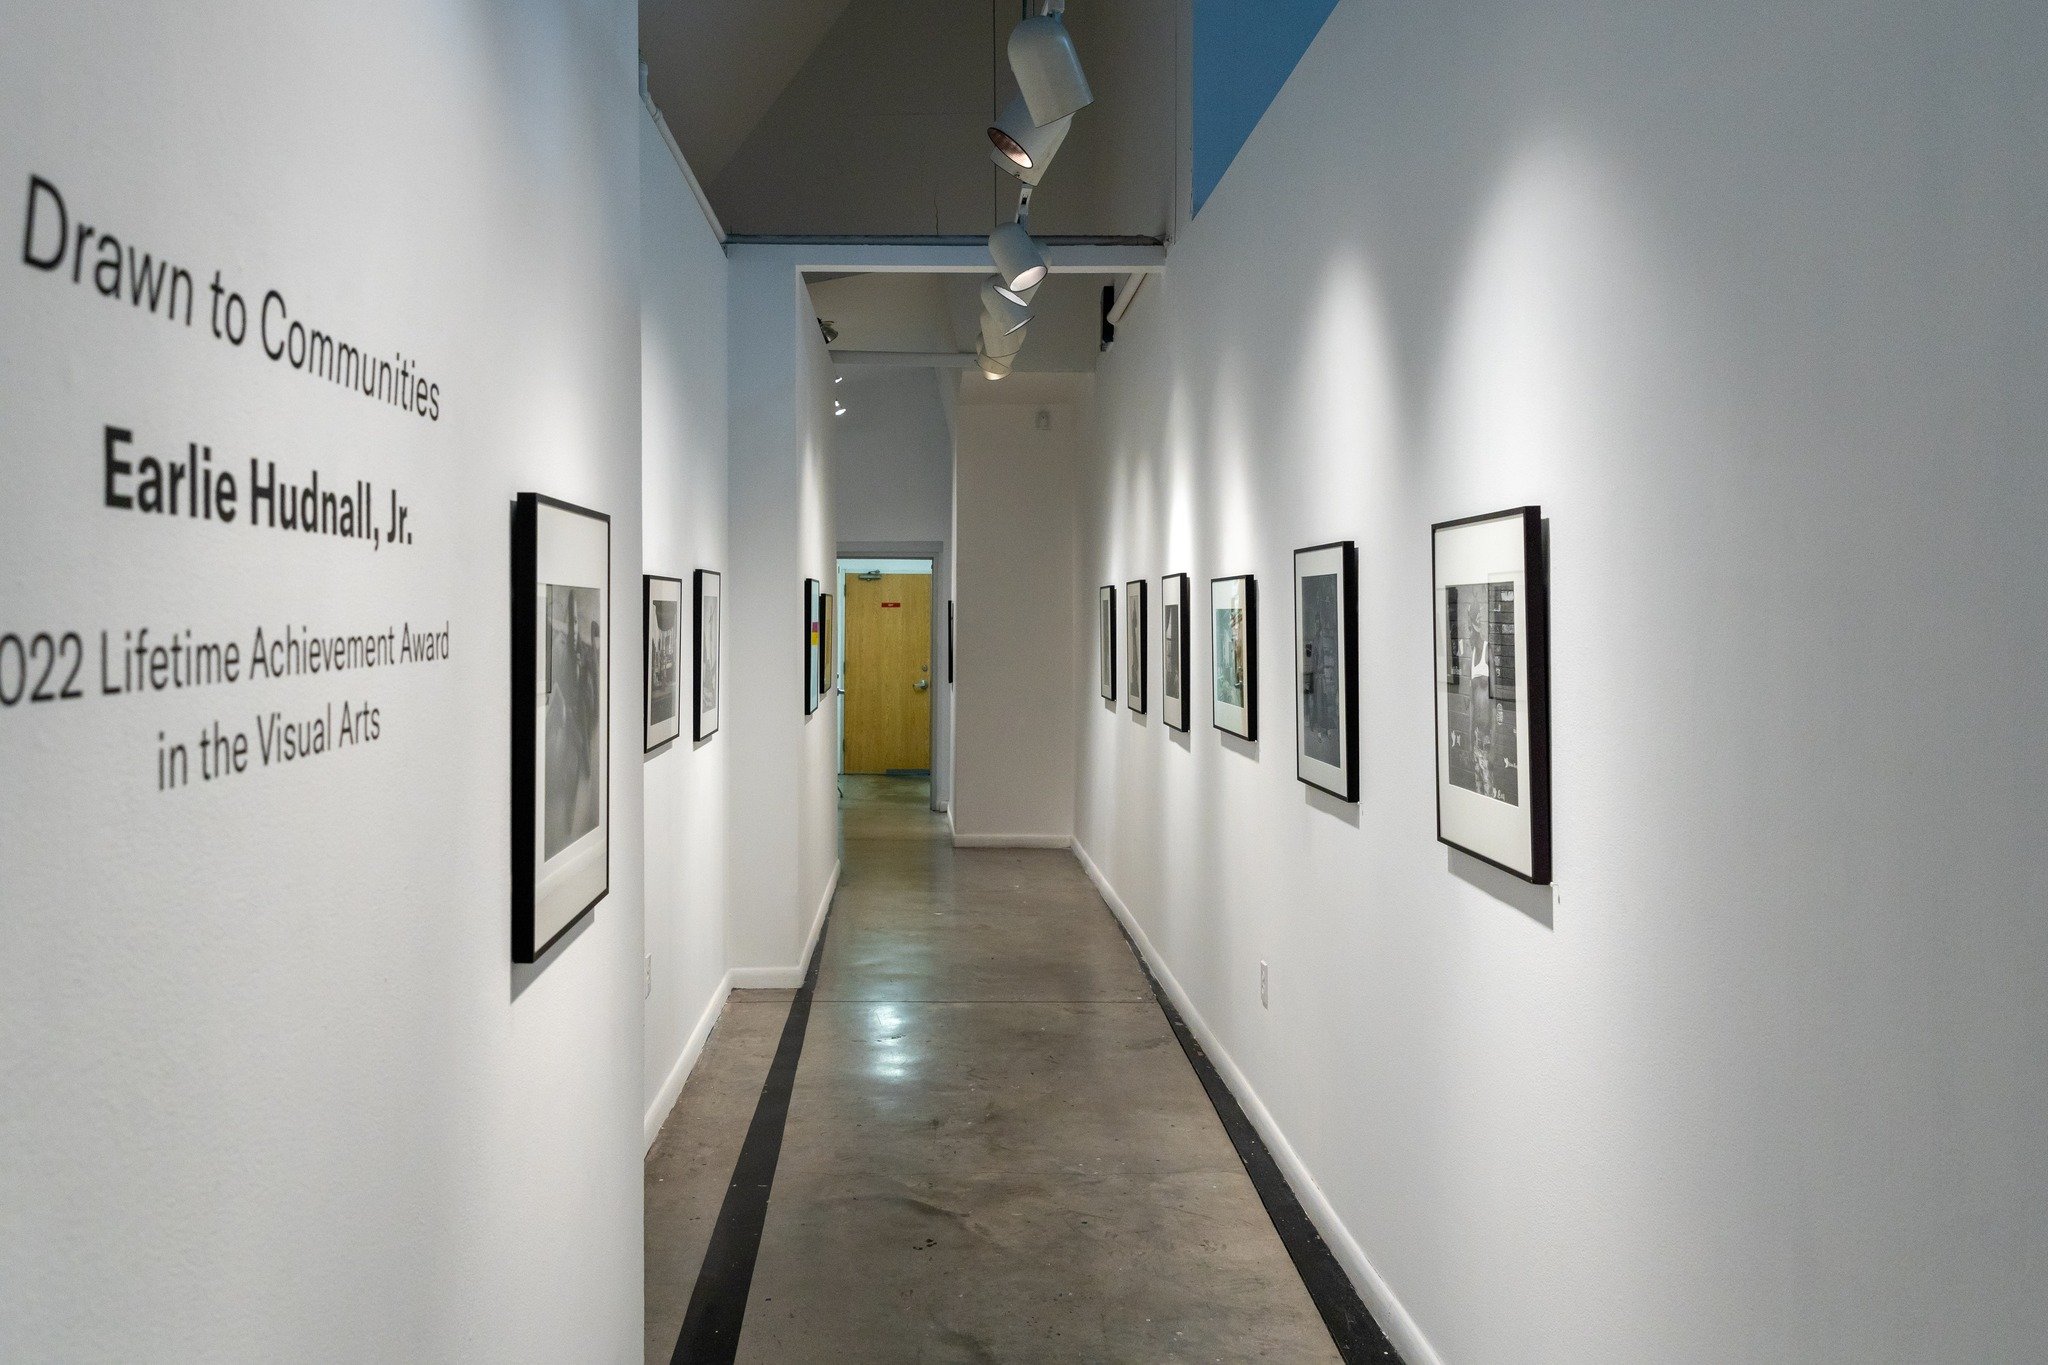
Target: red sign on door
{"x":887,"y":605}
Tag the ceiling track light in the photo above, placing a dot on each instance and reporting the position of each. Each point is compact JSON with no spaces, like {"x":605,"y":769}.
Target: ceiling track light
{"x":1047,"y":68}
{"x":1018,"y":259}
{"x":1000,"y":344}
{"x":1024,"y":148}
{"x":1006,"y":308}
{"x":1024,"y":139}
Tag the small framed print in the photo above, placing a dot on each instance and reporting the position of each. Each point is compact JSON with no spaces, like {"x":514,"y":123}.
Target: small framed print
{"x":828,"y":647}
{"x":1105,"y":601}
{"x":561,"y":718}
{"x":661,"y":601}
{"x":1134,"y":645}
{"x":710,"y":602}
{"x":1234,"y":632}
{"x":813,"y":661}
{"x":1173,"y":650}
{"x":1326,"y":667}
{"x":1492,"y":610}
{"x":949,"y":643}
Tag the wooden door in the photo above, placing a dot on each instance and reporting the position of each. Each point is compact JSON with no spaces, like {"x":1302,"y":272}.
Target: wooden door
{"x":888,"y":673}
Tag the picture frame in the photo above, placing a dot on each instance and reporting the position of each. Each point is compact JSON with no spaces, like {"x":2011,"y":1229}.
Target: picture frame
{"x":949,"y":642}
{"x":1174,"y":600}
{"x":828,"y":648}
{"x":561,"y":719}
{"x":1234,"y":657}
{"x":1491,"y":604}
{"x":1135,"y":646}
{"x":812,"y":659}
{"x":710,"y":597}
{"x":1105,"y":604}
{"x":1326,"y":667}
{"x":661,"y":689}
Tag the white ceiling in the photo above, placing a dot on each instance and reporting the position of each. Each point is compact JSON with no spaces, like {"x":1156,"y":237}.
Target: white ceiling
{"x":942,"y":313}
{"x":869,"y":117}
{"x":715,"y":69}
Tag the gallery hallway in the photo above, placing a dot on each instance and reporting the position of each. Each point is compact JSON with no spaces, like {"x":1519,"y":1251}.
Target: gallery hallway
{"x":995,"y":1147}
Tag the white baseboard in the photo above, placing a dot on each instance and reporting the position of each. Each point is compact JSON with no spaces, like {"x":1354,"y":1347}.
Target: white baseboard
{"x":1013,"y":841}
{"x":1400,"y":1327}
{"x":766,"y":978}
{"x":818,"y":921}
{"x":788,"y":978}
{"x":693,"y":1048}
{"x":736,"y":978}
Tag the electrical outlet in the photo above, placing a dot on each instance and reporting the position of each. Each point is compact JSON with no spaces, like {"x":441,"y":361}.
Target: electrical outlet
{"x":647,"y":977}
{"x":1265,"y":1000}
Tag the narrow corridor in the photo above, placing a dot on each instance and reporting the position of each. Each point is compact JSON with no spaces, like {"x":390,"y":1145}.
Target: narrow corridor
{"x":995,"y":1147}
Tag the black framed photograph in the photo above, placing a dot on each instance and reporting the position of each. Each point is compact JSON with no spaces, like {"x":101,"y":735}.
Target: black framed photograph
{"x":828,"y":647}
{"x":561,"y":718}
{"x":1135,"y":645}
{"x":1105,"y":601}
{"x":661,"y":601}
{"x":1492,"y":612}
{"x":1326,"y":667}
{"x":812,"y":659}
{"x":949,"y":642}
{"x":1234,"y":634}
{"x":1173,"y":650}
{"x":704,"y":672}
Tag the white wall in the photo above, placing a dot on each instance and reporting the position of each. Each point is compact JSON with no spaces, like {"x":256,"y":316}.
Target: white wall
{"x":1013,"y":757}
{"x":682,"y":477}
{"x":782,"y":821}
{"x":1749,"y":298}
{"x":274,"y":1089}
{"x":893,"y":453}
{"x":895,"y":457}
{"x":817,"y":794}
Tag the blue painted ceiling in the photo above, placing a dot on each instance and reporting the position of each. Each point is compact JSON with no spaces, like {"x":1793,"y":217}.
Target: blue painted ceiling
{"x":1244,"y":52}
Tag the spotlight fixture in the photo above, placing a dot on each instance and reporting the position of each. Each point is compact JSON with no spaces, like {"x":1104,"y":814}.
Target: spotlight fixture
{"x":1047,"y":68}
{"x":1006,"y":308}
{"x":998,"y":343}
{"x":995,"y":369}
{"x":1017,"y":257}
{"x":1023,"y":148}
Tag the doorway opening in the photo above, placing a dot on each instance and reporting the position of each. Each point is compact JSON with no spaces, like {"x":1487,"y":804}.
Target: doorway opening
{"x":887,"y":681}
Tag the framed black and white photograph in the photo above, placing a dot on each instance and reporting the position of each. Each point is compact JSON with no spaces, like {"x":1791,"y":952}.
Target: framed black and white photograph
{"x":1105,"y":601}
{"x":661,"y":601}
{"x":828,"y":647}
{"x":1173,"y":650}
{"x":704,"y":675}
{"x":813,"y":660}
{"x":1234,"y":662}
{"x":1492,"y":613}
{"x":1135,"y":645}
{"x":1326,"y":667}
{"x":561,"y":718}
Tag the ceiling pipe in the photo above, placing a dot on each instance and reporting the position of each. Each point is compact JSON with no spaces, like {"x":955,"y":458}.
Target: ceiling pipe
{"x":1125,"y":296}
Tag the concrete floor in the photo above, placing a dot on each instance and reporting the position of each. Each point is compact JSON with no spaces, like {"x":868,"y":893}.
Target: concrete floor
{"x":996,"y":1151}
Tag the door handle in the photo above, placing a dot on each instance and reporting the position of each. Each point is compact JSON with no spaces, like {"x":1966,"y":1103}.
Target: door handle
{"x":920,"y":685}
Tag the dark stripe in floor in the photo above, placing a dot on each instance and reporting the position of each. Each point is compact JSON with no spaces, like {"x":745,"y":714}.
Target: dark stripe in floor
{"x":1353,"y":1329}
{"x":718,"y":1305}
